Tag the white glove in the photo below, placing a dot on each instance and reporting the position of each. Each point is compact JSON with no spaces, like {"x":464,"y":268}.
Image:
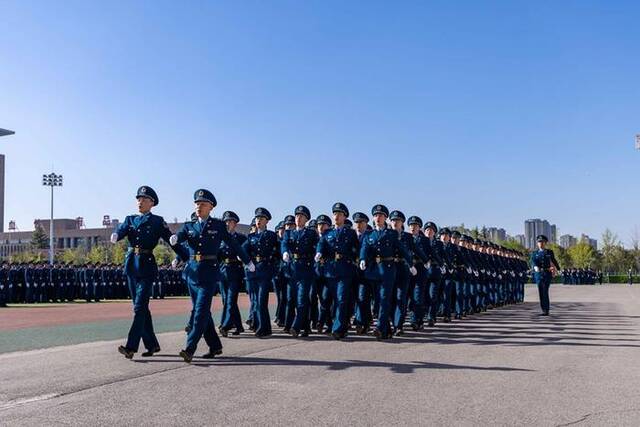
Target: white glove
{"x":475,"y":273}
{"x":469,"y":270}
{"x":286,"y":257}
{"x":114,"y":237}
{"x":427,"y":265}
{"x":443,"y":270}
{"x":251,"y":267}
{"x":413,"y":270}
{"x":363,"y":265}
{"x":173,"y":240}
{"x":536,"y":269}
{"x":174,"y":263}
{"x":318,"y":257}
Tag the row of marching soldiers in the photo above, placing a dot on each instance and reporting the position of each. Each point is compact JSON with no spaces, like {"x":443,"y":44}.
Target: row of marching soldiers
{"x":330,"y":274}
{"x":43,"y":283}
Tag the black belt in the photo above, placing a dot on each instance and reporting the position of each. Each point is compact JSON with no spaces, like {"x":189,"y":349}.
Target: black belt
{"x":259,"y":258}
{"x":380,"y":259}
{"x":229,"y":261}
{"x":200,"y":258}
{"x":301,"y":257}
{"x":137,"y":250}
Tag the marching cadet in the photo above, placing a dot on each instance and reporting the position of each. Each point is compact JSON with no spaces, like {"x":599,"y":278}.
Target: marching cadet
{"x":339,"y":246}
{"x":232,"y":275}
{"x":404,"y":270}
{"x":418,"y":283}
{"x":451,"y":255}
{"x":377,"y":260}
{"x":363,"y":316}
{"x":203,"y":238}
{"x":435,"y":267}
{"x":298,"y":249}
{"x":321,"y":288}
{"x":280,"y":281}
{"x":544,"y":264}
{"x":142,"y":232}
{"x":262,"y":248}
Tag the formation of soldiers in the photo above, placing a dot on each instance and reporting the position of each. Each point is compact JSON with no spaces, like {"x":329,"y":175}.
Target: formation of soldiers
{"x":43,"y":283}
{"x":581,"y":276}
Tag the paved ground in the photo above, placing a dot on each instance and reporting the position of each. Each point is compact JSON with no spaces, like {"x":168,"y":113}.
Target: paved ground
{"x":581,"y":366}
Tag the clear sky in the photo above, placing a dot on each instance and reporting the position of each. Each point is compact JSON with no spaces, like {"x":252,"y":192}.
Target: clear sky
{"x":473,"y":112}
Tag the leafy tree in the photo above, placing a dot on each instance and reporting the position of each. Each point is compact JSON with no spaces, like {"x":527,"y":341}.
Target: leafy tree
{"x":513,"y":244}
{"x":39,"y":238}
{"x":99,"y":253}
{"x":164,"y":255}
{"x":74,"y":256}
{"x":582,"y":255}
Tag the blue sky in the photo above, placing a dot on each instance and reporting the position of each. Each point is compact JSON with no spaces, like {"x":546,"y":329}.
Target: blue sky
{"x":476,"y":112}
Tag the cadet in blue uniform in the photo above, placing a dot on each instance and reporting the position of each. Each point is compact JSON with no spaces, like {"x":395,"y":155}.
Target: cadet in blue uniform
{"x":404,"y":270}
{"x":298,"y":248}
{"x":232,"y":275}
{"x":451,"y":258}
{"x":544,"y":264}
{"x":280,"y":281}
{"x":377,"y":260}
{"x":203,"y":270}
{"x":262,"y":248}
{"x":363,"y":316}
{"x":340,"y":247}
{"x":321,"y":287}
{"x":142,"y":231}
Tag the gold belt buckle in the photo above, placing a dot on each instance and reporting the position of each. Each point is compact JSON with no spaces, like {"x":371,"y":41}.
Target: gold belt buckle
{"x":338,"y":256}
{"x":258,"y":258}
{"x":296,"y":256}
{"x":198,"y":258}
{"x":378,"y":259}
{"x":136,"y":250}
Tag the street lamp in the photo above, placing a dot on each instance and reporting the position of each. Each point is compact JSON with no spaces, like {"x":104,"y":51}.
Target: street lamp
{"x":51,"y":180}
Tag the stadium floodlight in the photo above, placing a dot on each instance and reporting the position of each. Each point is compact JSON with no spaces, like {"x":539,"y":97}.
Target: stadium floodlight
{"x":51,"y":180}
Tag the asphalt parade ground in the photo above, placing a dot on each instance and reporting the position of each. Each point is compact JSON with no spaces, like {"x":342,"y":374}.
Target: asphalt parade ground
{"x":508,"y":366}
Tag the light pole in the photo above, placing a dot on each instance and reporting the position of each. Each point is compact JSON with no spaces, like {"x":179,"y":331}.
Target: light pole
{"x":51,"y":180}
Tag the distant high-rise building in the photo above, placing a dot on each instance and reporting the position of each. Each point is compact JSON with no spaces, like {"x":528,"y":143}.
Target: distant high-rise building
{"x":520,"y":239}
{"x":534,"y":227}
{"x":567,"y":241}
{"x":496,"y":234}
{"x":591,"y":242}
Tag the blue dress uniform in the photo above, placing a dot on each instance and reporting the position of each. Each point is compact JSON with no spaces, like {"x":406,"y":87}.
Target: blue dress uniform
{"x":203,"y":272}
{"x":280,"y":283}
{"x":377,"y":252}
{"x":401,"y":287}
{"x":29,"y":283}
{"x":435,"y":265}
{"x":299,"y":246}
{"x":321,"y":289}
{"x":340,"y":247}
{"x":451,"y":255}
{"x":363,"y":316}
{"x":232,"y":275}
{"x":262,"y":248}
{"x":143,"y":233}
{"x":419,"y":282}
{"x":541,"y":262}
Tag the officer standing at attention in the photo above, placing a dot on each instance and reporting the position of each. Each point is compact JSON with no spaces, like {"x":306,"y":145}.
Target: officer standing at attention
{"x":262,"y":248}
{"x":232,"y":276}
{"x":142,"y":231}
{"x":203,"y":270}
{"x":377,"y":260}
{"x":544,"y":265}
{"x":340,"y":247}
{"x":298,"y":248}
{"x":280,"y":281}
